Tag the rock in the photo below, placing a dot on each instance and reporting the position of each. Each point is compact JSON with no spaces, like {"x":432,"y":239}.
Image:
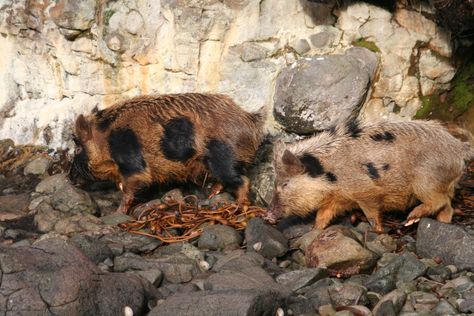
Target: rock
{"x":38,"y":166}
{"x":131,"y":242}
{"x":327,"y":310}
{"x":54,"y":277}
{"x":423,"y":302}
{"x":115,"y":219}
{"x":337,"y":249}
{"x":390,"y":304}
{"x":444,"y":308}
{"x":78,"y":223}
{"x":295,"y":280}
{"x":298,"y":306}
{"x":265,"y":239}
{"x":154,"y":276}
{"x":210,"y":303}
{"x":250,"y":51}
{"x":65,"y":197}
{"x":460,"y":284}
{"x":14,"y":206}
{"x":217,"y":237}
{"x":96,"y":250}
{"x":247,"y":278}
{"x":449,"y":242}
{"x":176,"y":268}
{"x":74,"y":15}
{"x":307,"y":239}
{"x":347,"y":294}
{"x":134,"y":22}
{"x":383,"y":243}
{"x":301,"y":46}
{"x":316,"y":93}
{"x":237,"y":259}
{"x":369,"y":60}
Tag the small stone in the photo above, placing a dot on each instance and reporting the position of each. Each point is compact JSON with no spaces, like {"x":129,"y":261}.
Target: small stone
{"x":295,"y":280}
{"x":134,"y":22}
{"x":175,"y":195}
{"x":38,"y":166}
{"x":347,"y":294}
{"x":274,"y":244}
{"x":390,"y":304}
{"x":304,"y":241}
{"x":321,"y":39}
{"x":217,"y":237}
{"x":444,"y":308}
{"x":460,"y":284}
{"x":326,"y":310}
{"x":301,"y":46}
{"x":423,"y":301}
{"x":131,"y":242}
{"x":95,"y":249}
{"x":250,"y":51}
{"x":383,"y":243}
{"x":115,"y":42}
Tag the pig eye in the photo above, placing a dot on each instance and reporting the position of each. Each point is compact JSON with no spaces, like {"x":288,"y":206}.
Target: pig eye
{"x":284,"y":184}
{"x":78,"y":150}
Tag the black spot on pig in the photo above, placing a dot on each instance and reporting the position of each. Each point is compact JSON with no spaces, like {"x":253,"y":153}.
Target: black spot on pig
{"x":353,"y":128}
{"x":221,"y":162}
{"x":177,"y":142}
{"x":331,"y":177}
{"x":126,"y":151}
{"x":385,"y":166}
{"x":312,"y":165}
{"x":373,"y":172}
{"x":104,"y":119}
{"x":386,"y":136}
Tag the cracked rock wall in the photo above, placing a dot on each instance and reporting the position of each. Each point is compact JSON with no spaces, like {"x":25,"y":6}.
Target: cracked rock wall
{"x":65,"y":57}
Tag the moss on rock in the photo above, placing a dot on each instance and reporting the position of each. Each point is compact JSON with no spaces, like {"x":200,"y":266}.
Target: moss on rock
{"x":362,"y":42}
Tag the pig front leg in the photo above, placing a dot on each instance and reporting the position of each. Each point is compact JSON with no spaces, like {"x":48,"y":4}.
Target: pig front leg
{"x":129,"y":186}
{"x":373,"y":215}
{"x":324,"y":217}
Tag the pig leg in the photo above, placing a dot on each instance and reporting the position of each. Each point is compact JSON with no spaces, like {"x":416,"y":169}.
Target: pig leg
{"x":324,"y":217}
{"x":373,"y":215}
{"x":446,"y":214}
{"x":432,"y":204}
{"x":221,"y":162}
{"x":129,"y":187}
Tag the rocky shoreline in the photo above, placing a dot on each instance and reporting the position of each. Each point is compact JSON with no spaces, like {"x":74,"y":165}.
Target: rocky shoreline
{"x":62,"y":252}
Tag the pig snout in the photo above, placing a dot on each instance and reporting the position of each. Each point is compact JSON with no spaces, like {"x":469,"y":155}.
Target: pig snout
{"x":273,"y":212}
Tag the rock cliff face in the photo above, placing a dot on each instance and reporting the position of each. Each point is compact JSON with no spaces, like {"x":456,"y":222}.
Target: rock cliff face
{"x":64,"y":57}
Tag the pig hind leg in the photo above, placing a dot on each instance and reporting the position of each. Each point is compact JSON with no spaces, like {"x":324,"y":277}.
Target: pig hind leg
{"x":434,"y":200}
{"x":373,"y":214}
{"x":220,"y":159}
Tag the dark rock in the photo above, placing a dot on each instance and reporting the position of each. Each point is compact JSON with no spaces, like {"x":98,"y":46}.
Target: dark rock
{"x":237,"y":259}
{"x":95,"y":249}
{"x":265,"y":239}
{"x":217,"y":237}
{"x":221,"y":303}
{"x":176,"y":268}
{"x":382,"y":244}
{"x":460,"y":284}
{"x":347,"y":294}
{"x":390,"y":304}
{"x":295,"y":280}
{"x":115,"y":219}
{"x":54,"y":277}
{"x":382,"y":285}
{"x":132,"y":242}
{"x":439,"y":273}
{"x":154,"y":276}
{"x":449,"y":242}
{"x":318,"y":293}
{"x":300,"y":306}
{"x":315,"y":94}
{"x":422,"y":301}
{"x":337,"y":249}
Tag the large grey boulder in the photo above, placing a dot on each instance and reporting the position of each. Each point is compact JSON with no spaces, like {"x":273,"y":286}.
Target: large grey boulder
{"x":316,"y":93}
{"x":52,"y":277}
{"x":451,"y":243}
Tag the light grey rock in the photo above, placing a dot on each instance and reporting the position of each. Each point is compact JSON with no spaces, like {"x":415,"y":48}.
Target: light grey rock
{"x":96,"y":250}
{"x":316,"y":93}
{"x":115,"y":219}
{"x":295,"y":280}
{"x":347,"y":294}
{"x":74,"y":14}
{"x":444,"y":308}
{"x":250,"y":51}
{"x":301,"y":46}
{"x":390,"y":304}
{"x":131,"y":242}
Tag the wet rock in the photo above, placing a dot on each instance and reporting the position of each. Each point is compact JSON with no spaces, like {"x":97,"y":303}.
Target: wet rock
{"x":154,"y":276}
{"x":217,"y":237}
{"x":95,"y":249}
{"x":337,"y":249}
{"x":54,"y":277}
{"x":131,"y":242}
{"x":295,"y":280}
{"x":390,"y":304}
{"x":347,"y":294}
{"x":449,"y":242}
{"x":317,"y":93}
{"x":265,"y":239}
{"x":210,"y":303}
{"x":38,"y":166}
{"x":65,"y":197}
{"x":249,"y":277}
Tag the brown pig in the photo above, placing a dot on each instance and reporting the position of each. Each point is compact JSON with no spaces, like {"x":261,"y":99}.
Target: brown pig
{"x":375,"y":167}
{"x":174,"y":137}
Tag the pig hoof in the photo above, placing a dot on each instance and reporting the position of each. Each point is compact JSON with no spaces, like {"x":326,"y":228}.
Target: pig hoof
{"x":412,"y":221}
{"x":120,"y":185}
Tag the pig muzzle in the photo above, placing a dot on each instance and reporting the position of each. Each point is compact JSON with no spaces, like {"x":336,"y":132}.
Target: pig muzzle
{"x":272,"y":216}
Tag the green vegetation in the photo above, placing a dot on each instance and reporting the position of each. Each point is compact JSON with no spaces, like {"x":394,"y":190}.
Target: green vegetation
{"x":107,"y":15}
{"x":362,"y":42}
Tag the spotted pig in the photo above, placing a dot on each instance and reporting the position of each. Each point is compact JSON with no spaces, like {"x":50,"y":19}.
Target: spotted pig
{"x":375,"y":167}
{"x":173,"y":137}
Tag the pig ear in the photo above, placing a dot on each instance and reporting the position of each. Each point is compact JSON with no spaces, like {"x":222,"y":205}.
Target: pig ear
{"x":83,"y":128}
{"x":291,"y":163}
